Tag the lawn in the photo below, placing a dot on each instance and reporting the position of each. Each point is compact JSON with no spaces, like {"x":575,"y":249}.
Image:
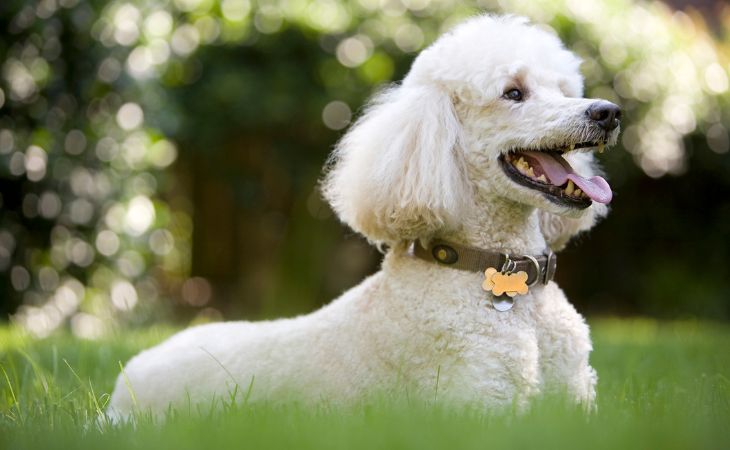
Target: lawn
{"x":663,"y":385}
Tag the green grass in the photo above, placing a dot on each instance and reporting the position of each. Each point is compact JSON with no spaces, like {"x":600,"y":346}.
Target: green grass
{"x":662,"y":386}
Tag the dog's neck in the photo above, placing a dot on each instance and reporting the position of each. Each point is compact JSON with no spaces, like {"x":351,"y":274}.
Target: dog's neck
{"x":499,"y":224}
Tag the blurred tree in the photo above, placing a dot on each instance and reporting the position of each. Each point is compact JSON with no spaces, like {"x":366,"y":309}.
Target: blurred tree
{"x":254,"y":94}
{"x":83,"y":235}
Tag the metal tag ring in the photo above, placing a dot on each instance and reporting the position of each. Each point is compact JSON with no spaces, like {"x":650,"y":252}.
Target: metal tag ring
{"x":508,"y":266}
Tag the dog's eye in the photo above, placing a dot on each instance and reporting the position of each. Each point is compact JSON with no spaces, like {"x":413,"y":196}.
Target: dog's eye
{"x":514,"y":95}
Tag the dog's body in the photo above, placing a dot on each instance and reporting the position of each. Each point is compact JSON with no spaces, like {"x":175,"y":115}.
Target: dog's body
{"x":424,"y":162}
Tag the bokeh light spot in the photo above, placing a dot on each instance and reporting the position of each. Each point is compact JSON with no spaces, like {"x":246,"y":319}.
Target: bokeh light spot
{"x":7,"y":246}
{"x":106,"y":149}
{"x":161,"y":242}
{"x":75,"y":142}
{"x":48,"y":278}
{"x":159,"y":51}
{"x":185,"y":40}
{"x":716,"y":78}
{"x":81,"y":211}
{"x":6,"y":141}
{"x":123,"y":295}
{"x":336,"y":115}
{"x":16,"y":165}
{"x":196,"y":291}
{"x":131,"y":264}
{"x":130,"y":116}
{"x":678,"y":112}
{"x":208,"y":28}
{"x":328,"y":16}
{"x":353,"y":51}
{"x":49,"y":205}
{"x":68,"y":296}
{"x":114,"y":217}
{"x":140,"y":215}
{"x":158,"y":24}
{"x":189,"y":5}
{"x":162,"y":153}
{"x":109,"y":70}
{"x":81,"y":182}
{"x":19,"y":278}
{"x":107,"y":242}
{"x":268,"y":20}
{"x":125,"y":22}
{"x":35,"y":163}
{"x":87,"y":326}
{"x":718,"y":139}
{"x":408,"y":37}
{"x":140,"y":63}
{"x":393,"y":8}
{"x":80,"y":252}
{"x":22,"y":84}
{"x":235,"y":10}
{"x":416,"y":5}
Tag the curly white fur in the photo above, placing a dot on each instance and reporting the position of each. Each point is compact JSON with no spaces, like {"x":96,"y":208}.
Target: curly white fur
{"x":421,"y":162}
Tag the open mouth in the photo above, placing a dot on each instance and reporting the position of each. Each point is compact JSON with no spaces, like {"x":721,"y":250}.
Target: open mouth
{"x":548,"y":172}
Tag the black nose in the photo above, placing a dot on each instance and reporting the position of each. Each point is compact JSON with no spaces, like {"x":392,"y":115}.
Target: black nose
{"x":604,"y":114}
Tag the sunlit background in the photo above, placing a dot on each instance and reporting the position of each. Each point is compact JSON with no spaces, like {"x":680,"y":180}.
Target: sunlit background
{"x":159,"y":159}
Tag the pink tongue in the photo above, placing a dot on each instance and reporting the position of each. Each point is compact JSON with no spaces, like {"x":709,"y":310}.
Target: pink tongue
{"x":558,"y":171}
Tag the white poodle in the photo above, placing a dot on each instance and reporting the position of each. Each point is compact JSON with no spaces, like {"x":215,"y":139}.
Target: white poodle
{"x":468,"y":163}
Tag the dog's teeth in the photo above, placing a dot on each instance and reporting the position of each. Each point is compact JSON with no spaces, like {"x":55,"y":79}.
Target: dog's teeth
{"x":570,"y":187}
{"x":530,"y":172}
{"x":571,"y":147}
{"x":542,"y":178}
{"x":577,"y":192}
{"x":601,"y":147}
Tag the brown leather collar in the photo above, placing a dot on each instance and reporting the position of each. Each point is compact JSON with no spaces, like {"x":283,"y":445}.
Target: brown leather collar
{"x":540,"y":269}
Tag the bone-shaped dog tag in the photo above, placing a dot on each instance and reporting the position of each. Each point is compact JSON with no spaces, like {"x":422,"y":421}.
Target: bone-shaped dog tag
{"x":510,"y":283}
{"x":504,"y":286}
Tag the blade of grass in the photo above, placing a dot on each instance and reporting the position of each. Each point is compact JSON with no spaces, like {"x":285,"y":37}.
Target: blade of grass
{"x":128,"y":384}
{"x":16,"y":403}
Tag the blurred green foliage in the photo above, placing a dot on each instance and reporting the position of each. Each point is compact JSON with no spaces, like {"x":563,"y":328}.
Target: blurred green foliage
{"x":161,"y":157}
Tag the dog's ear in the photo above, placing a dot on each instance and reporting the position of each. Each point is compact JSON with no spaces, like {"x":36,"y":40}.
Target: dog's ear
{"x":559,"y":230}
{"x":398,"y":174}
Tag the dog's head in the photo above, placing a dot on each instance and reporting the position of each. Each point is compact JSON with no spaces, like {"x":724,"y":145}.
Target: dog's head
{"x":492,"y":109}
